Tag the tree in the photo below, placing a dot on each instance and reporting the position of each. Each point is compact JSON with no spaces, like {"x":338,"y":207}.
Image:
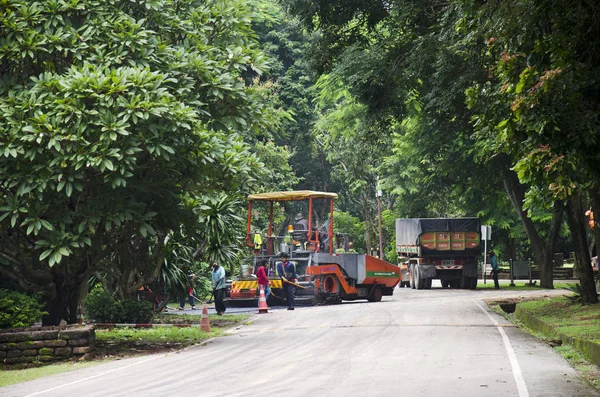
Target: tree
{"x":112,"y":113}
{"x":432,"y":51}
{"x":540,"y":106}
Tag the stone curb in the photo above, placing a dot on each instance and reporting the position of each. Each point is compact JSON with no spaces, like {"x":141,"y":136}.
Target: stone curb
{"x":589,"y":349}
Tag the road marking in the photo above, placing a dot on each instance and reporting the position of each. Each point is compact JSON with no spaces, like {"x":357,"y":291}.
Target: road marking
{"x":95,"y":376}
{"x":516,"y":369}
{"x":325,"y":327}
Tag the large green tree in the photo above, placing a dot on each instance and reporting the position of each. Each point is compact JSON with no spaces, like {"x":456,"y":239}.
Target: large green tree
{"x":435,"y":50}
{"x":540,"y":104}
{"x":113,"y":114}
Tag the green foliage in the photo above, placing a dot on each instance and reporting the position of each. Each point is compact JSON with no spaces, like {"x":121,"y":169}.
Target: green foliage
{"x":578,"y":293}
{"x":100,"y":306}
{"x":112,"y":115}
{"x":134,"y":311}
{"x":353,"y":226}
{"x":18,"y":310}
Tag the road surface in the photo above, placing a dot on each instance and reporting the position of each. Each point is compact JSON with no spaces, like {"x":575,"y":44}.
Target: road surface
{"x":417,"y":343}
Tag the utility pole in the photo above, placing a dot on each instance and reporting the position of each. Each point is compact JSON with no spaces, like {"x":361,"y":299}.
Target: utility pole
{"x":378,"y":194}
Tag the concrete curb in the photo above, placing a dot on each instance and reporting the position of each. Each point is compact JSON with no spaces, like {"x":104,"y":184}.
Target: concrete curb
{"x":590,"y":350}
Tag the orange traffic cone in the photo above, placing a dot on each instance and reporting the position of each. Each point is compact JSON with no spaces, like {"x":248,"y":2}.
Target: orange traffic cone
{"x":262,"y":302}
{"x":204,"y":323}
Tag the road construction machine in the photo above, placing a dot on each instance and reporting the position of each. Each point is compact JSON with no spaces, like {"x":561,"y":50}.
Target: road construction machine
{"x":438,"y":248}
{"x":326,"y":271}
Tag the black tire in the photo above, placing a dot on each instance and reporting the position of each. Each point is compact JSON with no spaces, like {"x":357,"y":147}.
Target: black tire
{"x":418,"y":279}
{"x":465,"y":282}
{"x":412,"y":276}
{"x":473,"y":283}
{"x":376,"y":294}
{"x":445,"y":283}
{"x":454,"y":283}
{"x":428,"y":283}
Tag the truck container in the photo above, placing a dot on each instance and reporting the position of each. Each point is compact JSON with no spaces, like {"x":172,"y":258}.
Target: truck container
{"x":438,"y":248}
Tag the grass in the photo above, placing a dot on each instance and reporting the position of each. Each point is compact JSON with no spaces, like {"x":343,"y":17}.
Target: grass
{"x":589,"y":371}
{"x":520,"y":285}
{"x":568,"y":318}
{"x":17,"y":376}
{"x":118,"y":342}
{"x":170,"y":335}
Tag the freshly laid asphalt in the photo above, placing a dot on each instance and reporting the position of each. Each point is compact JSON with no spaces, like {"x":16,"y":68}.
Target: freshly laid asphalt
{"x":436,"y":342}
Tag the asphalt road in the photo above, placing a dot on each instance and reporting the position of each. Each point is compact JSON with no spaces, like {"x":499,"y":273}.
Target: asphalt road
{"x":416,"y":343}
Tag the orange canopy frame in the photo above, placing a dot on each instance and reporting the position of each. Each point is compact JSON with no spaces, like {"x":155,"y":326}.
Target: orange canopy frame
{"x":294,"y":195}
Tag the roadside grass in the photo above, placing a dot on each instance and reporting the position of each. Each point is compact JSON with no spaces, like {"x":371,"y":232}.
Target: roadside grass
{"x":10,"y":377}
{"x":123,"y":342}
{"x":119,"y":339}
{"x":520,"y":285}
{"x":167,"y":336}
{"x":589,"y":371}
{"x":568,"y":318}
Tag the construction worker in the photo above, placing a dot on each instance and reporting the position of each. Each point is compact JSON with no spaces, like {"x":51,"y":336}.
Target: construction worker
{"x":287,"y":272}
{"x":263,"y":280}
{"x":218,"y":284}
{"x":301,"y":221}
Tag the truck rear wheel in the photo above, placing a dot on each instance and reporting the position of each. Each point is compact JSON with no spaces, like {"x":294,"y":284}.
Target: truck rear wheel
{"x":428,"y":283}
{"x":418,"y":279}
{"x":473,"y":283}
{"x":445,"y":283}
{"x":465,"y":282}
{"x":412,"y":276}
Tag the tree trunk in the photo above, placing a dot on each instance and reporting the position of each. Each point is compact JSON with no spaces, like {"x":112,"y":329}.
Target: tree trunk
{"x":66,"y":294}
{"x":595,"y":201}
{"x":542,"y":249}
{"x":577,"y":225}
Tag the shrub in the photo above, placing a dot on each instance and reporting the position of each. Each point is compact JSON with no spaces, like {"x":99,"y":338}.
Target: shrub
{"x":101,"y":307}
{"x":18,"y":310}
{"x":136,"y":311}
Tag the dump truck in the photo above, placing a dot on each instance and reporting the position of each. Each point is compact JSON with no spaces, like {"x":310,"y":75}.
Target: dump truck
{"x":326,"y":272}
{"x":438,"y":248}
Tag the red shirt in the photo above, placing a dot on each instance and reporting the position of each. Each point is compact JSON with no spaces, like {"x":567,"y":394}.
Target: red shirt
{"x":262,"y":276}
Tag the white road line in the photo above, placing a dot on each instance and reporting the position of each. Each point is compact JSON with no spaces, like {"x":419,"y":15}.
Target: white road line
{"x":95,"y":376}
{"x":516,"y":369}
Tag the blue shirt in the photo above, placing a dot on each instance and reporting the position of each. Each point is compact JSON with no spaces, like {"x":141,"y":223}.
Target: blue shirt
{"x":218,"y":278}
{"x":288,"y":271}
{"x":494,"y":263}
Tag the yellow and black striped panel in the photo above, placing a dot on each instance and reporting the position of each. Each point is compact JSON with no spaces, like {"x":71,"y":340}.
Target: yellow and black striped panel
{"x":252,"y":284}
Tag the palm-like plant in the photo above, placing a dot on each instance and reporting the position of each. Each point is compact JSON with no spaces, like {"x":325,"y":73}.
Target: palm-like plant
{"x":221,"y":231}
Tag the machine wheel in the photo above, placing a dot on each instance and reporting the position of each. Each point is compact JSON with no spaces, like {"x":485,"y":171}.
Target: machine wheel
{"x":376,"y":294}
{"x":331,"y":285}
{"x":428,"y":283}
{"x":445,"y":283}
{"x":412,"y":276}
{"x":418,"y":279}
{"x":454,"y":283}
